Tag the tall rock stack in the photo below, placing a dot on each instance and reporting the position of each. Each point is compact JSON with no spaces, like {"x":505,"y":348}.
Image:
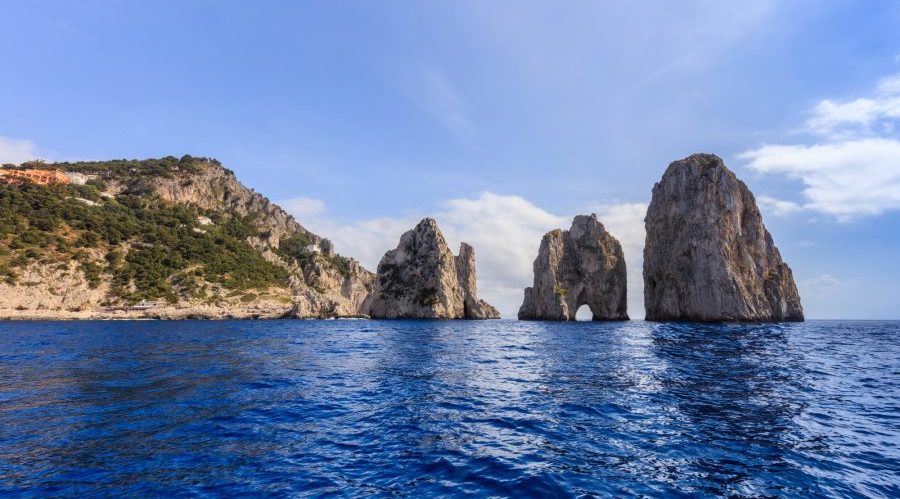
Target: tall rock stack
{"x":708,"y":257}
{"x":473,"y":308}
{"x":581,"y":266}
{"x":421,"y":279}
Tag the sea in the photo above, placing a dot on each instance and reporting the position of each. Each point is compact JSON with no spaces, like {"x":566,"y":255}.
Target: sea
{"x":357,"y":408}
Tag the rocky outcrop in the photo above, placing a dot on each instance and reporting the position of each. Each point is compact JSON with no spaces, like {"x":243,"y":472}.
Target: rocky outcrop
{"x":580,"y":266}
{"x":708,"y":256}
{"x":318,"y":290}
{"x":473,"y":307}
{"x":421,"y":279}
{"x":321,"y":290}
{"x":61,"y":292}
{"x":317,"y":282}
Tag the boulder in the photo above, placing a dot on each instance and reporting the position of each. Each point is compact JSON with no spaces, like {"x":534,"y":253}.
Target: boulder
{"x":580,"y":266}
{"x":421,"y":279}
{"x":708,"y":257}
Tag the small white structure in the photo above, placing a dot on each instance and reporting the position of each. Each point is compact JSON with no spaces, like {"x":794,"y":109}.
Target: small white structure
{"x":79,"y":178}
{"x":86,"y":201}
{"x":204,"y":220}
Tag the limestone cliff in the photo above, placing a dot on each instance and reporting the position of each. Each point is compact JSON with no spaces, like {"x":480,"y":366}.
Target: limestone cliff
{"x":708,"y":256}
{"x":581,"y":266}
{"x":421,"y":279}
{"x":322,"y":285}
{"x":164,"y":238}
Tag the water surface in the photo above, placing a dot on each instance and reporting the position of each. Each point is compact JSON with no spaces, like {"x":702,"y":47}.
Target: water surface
{"x":422,"y":408}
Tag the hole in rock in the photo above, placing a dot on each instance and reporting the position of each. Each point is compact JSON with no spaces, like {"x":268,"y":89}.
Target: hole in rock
{"x":584,"y":313}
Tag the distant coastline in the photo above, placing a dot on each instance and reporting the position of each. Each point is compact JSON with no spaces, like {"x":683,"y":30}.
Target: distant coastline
{"x":174,"y":239}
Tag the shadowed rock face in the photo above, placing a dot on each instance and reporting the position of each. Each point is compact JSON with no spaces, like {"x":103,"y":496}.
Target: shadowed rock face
{"x":421,"y":279}
{"x":708,"y":256}
{"x":583,"y":265}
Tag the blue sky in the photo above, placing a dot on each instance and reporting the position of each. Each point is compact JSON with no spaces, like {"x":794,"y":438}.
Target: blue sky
{"x":501,"y":119}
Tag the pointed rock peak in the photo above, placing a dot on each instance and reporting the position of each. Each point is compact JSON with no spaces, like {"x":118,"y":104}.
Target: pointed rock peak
{"x":698,"y":165}
{"x":584,"y":225}
{"x":701,"y":159}
{"x":584,"y":265}
{"x":422,"y":279}
{"x":428,"y":226}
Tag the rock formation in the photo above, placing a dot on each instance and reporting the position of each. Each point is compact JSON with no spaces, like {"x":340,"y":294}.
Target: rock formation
{"x":421,"y":279}
{"x":583,"y":265}
{"x":708,"y":256}
{"x":108,"y":245}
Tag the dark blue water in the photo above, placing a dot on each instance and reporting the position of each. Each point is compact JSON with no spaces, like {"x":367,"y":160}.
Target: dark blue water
{"x":502,"y":408}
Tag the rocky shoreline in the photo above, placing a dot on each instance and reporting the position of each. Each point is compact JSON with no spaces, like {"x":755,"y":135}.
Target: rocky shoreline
{"x":708,"y":256}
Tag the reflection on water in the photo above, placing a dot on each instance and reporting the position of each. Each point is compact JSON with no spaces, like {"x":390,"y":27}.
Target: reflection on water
{"x":449,"y":408}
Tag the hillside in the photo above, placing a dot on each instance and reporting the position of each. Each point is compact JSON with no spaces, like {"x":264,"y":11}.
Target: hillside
{"x":168,"y":238}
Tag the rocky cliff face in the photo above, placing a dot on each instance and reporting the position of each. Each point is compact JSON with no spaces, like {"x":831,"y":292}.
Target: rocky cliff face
{"x":65,"y":264}
{"x":319,"y":288}
{"x":421,"y":279}
{"x":708,"y":256}
{"x":583,"y":265}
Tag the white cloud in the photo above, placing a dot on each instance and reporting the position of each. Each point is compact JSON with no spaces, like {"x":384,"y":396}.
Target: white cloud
{"x":504,"y":230}
{"x":777,"y":207}
{"x":848,"y":179}
{"x":822,"y":281}
{"x":856,"y":117}
{"x":854,"y":168}
{"x":303,"y":207}
{"x":16,"y":151}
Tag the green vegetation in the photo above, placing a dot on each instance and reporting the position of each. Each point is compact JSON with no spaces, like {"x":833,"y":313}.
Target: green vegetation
{"x":296,"y":248}
{"x":149,"y":249}
{"x":133,"y":168}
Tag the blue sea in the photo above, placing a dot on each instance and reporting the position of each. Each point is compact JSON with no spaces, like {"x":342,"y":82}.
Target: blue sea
{"x":453,"y":408}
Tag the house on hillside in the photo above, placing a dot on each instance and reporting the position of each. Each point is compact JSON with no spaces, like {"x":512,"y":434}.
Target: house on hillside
{"x":43,"y":177}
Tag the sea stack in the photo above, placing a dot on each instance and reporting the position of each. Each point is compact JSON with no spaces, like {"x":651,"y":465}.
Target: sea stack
{"x":421,"y":279}
{"x":582,"y":265}
{"x":708,"y":257}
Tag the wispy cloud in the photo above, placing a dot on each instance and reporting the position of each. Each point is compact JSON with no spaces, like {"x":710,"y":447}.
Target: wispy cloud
{"x":16,"y":151}
{"x":777,"y":207}
{"x":822,"y":281}
{"x":438,"y":97}
{"x":303,"y":207}
{"x":853,"y":169}
{"x":505,"y":231}
{"x":841,"y":119}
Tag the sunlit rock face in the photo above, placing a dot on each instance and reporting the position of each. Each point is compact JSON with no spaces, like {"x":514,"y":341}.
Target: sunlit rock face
{"x":708,"y":257}
{"x":421,"y":279}
{"x":580,"y":266}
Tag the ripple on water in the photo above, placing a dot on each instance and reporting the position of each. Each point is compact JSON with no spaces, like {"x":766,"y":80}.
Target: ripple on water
{"x":423,"y":408}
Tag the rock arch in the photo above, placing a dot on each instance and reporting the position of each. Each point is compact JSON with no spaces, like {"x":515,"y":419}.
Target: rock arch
{"x":580,"y":266}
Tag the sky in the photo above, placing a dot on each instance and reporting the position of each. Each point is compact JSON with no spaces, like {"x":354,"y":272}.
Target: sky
{"x":502,"y":120}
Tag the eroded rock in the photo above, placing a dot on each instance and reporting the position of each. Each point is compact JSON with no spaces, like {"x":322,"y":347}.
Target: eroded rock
{"x":421,"y":279}
{"x":580,"y":266}
{"x":708,"y":256}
